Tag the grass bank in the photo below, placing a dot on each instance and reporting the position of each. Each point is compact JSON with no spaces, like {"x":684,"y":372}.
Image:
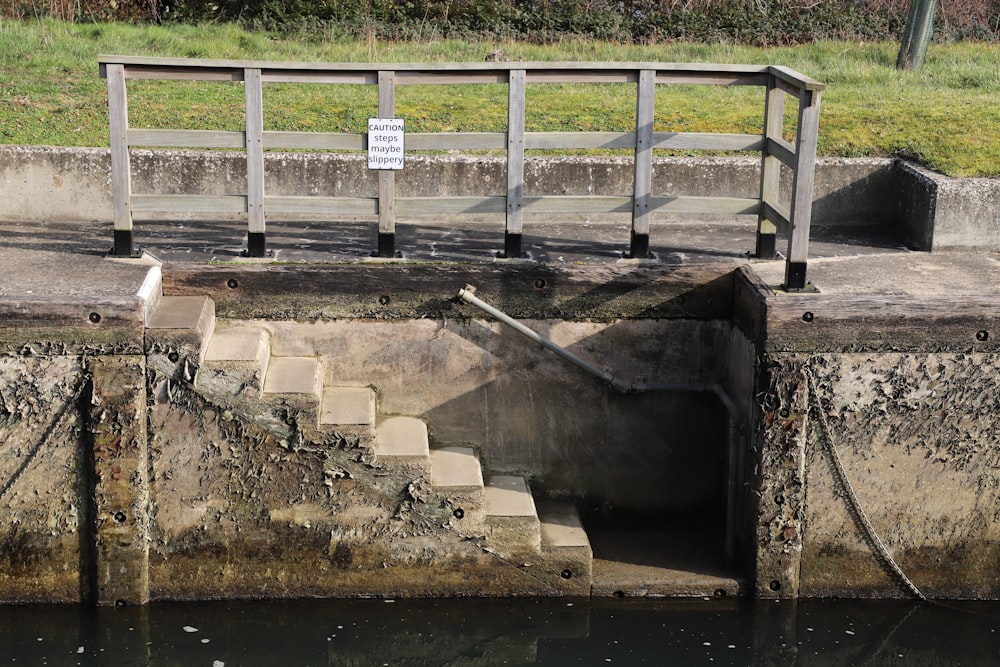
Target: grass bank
{"x":947,"y":115}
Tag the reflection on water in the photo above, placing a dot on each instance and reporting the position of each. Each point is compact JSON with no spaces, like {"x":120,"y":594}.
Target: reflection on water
{"x":505,"y":632}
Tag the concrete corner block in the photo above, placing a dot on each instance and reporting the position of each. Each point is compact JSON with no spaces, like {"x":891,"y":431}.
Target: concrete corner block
{"x":177,"y":333}
{"x":943,"y":213}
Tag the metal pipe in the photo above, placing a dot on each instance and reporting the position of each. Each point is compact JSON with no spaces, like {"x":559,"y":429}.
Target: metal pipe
{"x":468,"y":294}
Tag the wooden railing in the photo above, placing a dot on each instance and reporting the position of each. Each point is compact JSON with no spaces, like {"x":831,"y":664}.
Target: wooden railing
{"x":777,"y":82}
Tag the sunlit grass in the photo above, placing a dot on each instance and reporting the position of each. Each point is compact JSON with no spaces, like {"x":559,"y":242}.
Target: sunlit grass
{"x":947,"y":115}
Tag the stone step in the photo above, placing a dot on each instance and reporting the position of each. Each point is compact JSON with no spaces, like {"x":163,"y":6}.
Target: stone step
{"x":511,"y":521}
{"x":347,"y":406}
{"x":294,"y":375}
{"x":566,"y":546}
{"x":457,"y":475}
{"x":179,"y":327}
{"x":561,"y":526}
{"x":236,"y":361}
{"x":294,"y":385}
{"x":350,"y":413}
{"x":402,"y":440}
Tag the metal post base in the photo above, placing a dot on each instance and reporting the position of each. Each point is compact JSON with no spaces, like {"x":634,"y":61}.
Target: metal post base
{"x":767,"y":247}
{"x":639,"y":247}
{"x":124,"y":245}
{"x":386,"y":245}
{"x":795,"y":276}
{"x":256,"y":244}
{"x":512,"y":246}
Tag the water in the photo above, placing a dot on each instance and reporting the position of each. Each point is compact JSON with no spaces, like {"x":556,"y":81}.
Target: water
{"x":505,"y":632}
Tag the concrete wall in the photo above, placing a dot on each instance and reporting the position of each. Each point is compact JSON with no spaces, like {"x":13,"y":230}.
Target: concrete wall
{"x":120,"y":483}
{"x":911,"y":417}
{"x":73,"y":184}
{"x":935,"y":212}
{"x":917,"y":436}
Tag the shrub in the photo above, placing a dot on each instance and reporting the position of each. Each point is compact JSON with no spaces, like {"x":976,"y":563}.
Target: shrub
{"x":758,"y":22}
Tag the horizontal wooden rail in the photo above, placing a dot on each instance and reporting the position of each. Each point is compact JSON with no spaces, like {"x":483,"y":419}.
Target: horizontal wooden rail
{"x":777,"y":82}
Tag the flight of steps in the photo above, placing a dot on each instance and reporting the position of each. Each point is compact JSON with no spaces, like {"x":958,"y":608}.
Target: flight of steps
{"x":233,"y":367}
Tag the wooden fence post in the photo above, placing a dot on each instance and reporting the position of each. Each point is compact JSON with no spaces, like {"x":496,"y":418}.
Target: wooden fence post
{"x":256,"y":237}
{"x":516,"y":88}
{"x":802,"y":190}
{"x":386,"y":178}
{"x":770,"y":170}
{"x":121,"y":168}
{"x":643,"y":184}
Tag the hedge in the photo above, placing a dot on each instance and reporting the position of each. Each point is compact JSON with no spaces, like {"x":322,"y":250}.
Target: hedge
{"x":755,"y":22}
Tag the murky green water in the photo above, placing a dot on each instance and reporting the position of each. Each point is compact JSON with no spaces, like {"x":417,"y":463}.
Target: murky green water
{"x":505,"y":632}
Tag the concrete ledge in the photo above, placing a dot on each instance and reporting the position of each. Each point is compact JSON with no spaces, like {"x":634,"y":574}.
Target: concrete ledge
{"x":71,"y":325}
{"x":405,"y":291}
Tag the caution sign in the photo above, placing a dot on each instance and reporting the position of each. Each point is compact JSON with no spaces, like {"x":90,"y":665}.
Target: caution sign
{"x":385,"y":143}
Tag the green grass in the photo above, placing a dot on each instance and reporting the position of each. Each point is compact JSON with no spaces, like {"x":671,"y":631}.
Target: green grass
{"x":947,"y":115}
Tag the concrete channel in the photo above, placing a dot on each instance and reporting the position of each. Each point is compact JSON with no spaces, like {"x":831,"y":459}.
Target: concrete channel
{"x":193,"y":425}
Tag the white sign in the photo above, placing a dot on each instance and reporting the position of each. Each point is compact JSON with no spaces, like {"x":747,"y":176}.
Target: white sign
{"x":385,"y":143}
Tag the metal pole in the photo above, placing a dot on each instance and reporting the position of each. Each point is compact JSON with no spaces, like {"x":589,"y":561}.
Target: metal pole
{"x":916,"y":34}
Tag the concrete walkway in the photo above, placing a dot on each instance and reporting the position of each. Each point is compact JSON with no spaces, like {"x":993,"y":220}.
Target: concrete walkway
{"x":70,"y":260}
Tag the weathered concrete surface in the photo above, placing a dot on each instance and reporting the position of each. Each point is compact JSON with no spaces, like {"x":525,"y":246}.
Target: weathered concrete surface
{"x":917,"y":436}
{"x":901,"y":348}
{"x":93,"y":326}
{"x":239,"y":512}
{"x":904,"y":374}
{"x":935,"y":212}
{"x":530,"y":411}
{"x":74,"y":183}
{"x":43,"y":492}
{"x":416,"y":290}
{"x":778,"y":481}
